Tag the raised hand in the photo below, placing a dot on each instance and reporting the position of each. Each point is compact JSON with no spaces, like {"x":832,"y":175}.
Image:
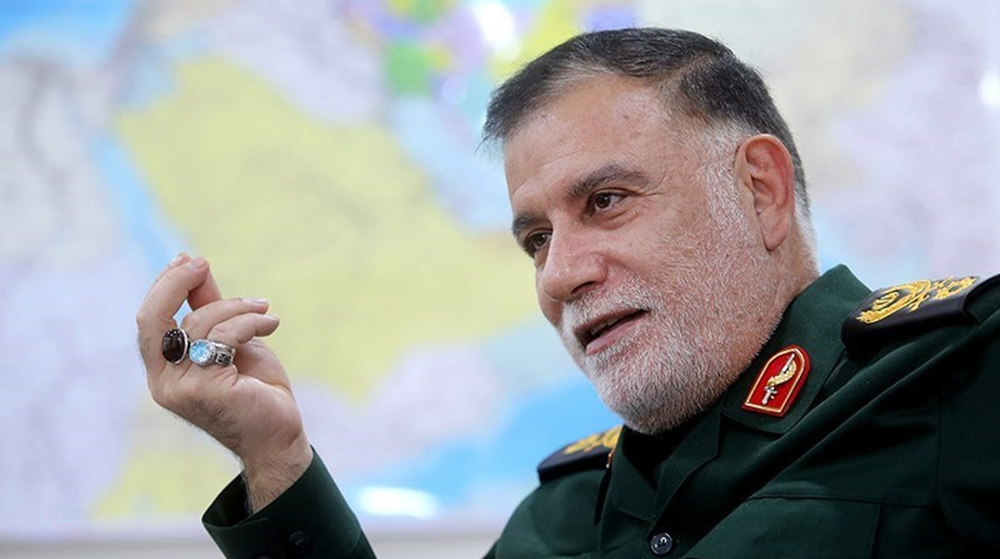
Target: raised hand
{"x":247,"y":405}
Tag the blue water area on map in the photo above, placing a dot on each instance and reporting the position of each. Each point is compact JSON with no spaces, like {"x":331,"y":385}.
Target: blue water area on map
{"x":470,"y":186}
{"x":529,"y":356}
{"x":152,"y":237}
{"x":78,"y":30}
{"x":151,"y":80}
{"x":610,"y":17}
{"x":889,"y":268}
{"x":540,"y":424}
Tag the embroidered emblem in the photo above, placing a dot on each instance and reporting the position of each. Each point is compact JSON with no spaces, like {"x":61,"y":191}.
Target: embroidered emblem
{"x":606,"y":440}
{"x":779,"y":382}
{"x":908,"y":297}
{"x":593,"y":452}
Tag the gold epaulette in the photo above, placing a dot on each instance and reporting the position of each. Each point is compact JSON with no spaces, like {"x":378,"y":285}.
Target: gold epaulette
{"x":913,"y":307}
{"x":588,"y":453}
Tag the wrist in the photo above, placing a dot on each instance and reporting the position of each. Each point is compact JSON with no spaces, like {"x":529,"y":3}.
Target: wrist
{"x":269,"y":475}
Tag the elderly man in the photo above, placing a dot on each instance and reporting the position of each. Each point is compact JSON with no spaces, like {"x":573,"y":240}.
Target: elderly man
{"x":769,"y":411}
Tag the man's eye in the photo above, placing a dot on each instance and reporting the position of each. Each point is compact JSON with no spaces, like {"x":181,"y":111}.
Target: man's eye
{"x":604,"y":200}
{"x":536,"y":241}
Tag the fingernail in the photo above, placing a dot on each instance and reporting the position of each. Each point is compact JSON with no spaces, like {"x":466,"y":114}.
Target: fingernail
{"x":256,"y":301}
{"x":179,"y":259}
{"x":197,"y":263}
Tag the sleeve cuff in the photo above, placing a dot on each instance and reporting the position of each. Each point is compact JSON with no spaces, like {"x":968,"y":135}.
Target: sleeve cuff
{"x":310,"y":519}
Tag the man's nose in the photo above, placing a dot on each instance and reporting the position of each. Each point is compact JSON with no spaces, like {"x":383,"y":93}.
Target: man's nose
{"x":573,"y":264}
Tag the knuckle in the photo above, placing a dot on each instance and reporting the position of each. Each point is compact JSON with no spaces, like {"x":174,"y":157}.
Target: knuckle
{"x":160,"y":399}
{"x":222,"y":331}
{"x":159,"y":393}
{"x":149,"y":349}
{"x":189,"y":322}
{"x":143,"y":320}
{"x":173,"y":274}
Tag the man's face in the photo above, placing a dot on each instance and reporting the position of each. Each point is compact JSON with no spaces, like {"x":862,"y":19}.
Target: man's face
{"x":647,"y":259}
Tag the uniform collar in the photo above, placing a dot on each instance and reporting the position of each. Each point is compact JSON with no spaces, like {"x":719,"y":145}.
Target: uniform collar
{"x":813,"y":322}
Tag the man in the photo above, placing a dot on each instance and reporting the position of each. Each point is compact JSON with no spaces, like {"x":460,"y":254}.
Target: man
{"x":769,"y":412}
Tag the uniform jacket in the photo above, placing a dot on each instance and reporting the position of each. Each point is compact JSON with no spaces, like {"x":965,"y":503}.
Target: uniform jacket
{"x":888,"y":446}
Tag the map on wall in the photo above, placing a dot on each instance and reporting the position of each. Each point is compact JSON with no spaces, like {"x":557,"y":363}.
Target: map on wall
{"x":320,"y":154}
{"x":325,"y":154}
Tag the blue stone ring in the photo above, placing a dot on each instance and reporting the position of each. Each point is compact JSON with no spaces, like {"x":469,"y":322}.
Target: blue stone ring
{"x":206,"y":352}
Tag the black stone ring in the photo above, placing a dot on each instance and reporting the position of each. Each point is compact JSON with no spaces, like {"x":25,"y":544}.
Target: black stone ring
{"x":175,"y":345}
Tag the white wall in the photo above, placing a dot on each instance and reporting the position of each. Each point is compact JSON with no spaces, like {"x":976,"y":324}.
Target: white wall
{"x":409,"y":546}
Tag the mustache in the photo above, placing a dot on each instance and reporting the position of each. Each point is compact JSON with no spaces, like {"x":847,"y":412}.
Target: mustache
{"x":629,"y":296}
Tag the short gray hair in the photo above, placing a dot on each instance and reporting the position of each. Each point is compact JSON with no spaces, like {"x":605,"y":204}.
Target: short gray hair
{"x":699,"y":76}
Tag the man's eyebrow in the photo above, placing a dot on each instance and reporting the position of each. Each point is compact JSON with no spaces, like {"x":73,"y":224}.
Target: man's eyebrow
{"x":611,"y":172}
{"x":522,"y":222}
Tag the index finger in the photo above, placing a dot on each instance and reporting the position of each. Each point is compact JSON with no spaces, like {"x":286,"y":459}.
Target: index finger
{"x":205,"y":293}
{"x":165,"y":297}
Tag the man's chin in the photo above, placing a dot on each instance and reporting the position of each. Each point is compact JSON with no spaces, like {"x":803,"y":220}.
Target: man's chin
{"x":633,"y":412}
{"x":649,"y":410}
{"x":655,"y":424}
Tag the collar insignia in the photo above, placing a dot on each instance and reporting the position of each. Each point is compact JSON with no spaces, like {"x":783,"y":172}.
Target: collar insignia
{"x":779,"y":382}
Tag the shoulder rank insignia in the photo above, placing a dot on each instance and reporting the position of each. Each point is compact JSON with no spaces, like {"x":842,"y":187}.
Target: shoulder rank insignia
{"x":779,"y":382}
{"x":589,"y":453}
{"x":909,"y":307}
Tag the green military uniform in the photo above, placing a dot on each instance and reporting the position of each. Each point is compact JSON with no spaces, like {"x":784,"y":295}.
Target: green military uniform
{"x":887,"y":445}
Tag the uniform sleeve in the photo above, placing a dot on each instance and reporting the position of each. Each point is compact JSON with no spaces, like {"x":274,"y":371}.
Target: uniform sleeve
{"x":969,"y":470}
{"x":311,"y":520}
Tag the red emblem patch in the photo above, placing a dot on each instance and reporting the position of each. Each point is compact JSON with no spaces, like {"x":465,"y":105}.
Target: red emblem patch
{"x":779,"y":382}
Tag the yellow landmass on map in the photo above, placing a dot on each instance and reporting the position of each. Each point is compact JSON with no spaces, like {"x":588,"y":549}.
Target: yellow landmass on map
{"x":821,"y":60}
{"x":335,"y":226}
{"x":166,"y":483}
{"x":171,"y":469}
{"x":557,"y":20}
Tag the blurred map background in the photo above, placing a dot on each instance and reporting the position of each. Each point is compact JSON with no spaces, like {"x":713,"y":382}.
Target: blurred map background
{"x":323,"y":154}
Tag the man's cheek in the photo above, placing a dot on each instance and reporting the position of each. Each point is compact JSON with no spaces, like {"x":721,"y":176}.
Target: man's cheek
{"x":551,"y":310}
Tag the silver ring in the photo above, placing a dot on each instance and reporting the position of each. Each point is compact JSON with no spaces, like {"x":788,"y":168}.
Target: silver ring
{"x":206,"y":352}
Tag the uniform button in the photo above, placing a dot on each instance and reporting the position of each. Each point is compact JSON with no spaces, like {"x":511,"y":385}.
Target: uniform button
{"x":661,"y":544}
{"x":299,"y":542}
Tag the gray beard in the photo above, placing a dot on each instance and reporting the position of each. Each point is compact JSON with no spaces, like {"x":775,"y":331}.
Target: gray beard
{"x":672,"y":370}
{"x":689,"y":350}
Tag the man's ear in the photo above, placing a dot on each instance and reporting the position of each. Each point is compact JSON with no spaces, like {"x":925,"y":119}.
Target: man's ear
{"x":764,"y":166}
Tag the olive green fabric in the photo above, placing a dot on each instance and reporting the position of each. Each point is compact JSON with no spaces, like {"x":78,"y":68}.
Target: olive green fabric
{"x":310,"y":520}
{"x":889,"y":451}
